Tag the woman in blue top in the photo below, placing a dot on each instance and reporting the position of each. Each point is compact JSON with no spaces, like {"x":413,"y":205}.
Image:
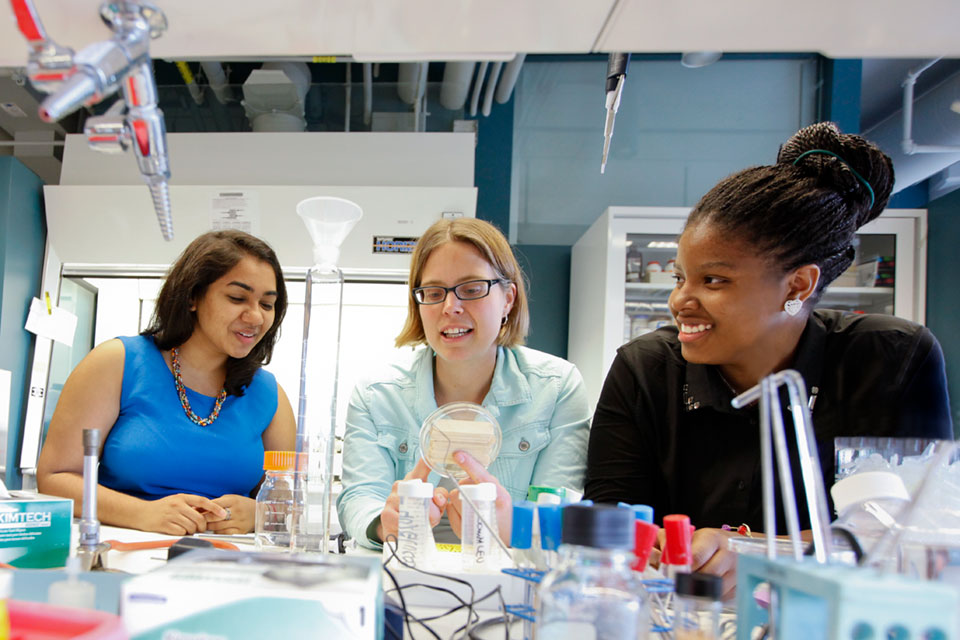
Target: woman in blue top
{"x":184,"y":410}
{"x":468,"y":304}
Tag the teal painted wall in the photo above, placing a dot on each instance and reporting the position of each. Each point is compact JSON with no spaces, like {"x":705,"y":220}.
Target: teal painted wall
{"x":23,"y":232}
{"x":548,"y":274}
{"x":943,"y":294}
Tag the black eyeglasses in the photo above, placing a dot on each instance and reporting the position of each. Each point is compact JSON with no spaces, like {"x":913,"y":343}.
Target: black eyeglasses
{"x":471,"y":290}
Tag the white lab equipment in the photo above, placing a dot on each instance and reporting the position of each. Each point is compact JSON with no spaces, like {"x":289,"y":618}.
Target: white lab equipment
{"x":808,"y":598}
{"x":328,"y":220}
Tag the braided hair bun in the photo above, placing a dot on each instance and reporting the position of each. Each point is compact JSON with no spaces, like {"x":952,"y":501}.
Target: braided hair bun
{"x":806,"y":208}
{"x":853,"y":167}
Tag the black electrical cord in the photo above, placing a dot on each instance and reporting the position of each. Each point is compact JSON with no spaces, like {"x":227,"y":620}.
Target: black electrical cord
{"x":472,"y":616}
{"x":505,"y":619}
{"x":393,"y":555}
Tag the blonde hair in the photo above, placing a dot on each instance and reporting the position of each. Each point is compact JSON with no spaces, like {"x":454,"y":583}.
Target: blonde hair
{"x":493,"y":246}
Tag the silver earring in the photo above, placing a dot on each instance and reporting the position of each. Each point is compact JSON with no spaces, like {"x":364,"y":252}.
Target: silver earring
{"x":792,"y":307}
{"x":503,"y":321}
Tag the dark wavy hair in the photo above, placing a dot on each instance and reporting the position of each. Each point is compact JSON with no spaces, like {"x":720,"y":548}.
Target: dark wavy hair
{"x":207,"y":259}
{"x":804,"y":210}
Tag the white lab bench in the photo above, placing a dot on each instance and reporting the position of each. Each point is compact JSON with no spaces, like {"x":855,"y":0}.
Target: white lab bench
{"x":422,"y":602}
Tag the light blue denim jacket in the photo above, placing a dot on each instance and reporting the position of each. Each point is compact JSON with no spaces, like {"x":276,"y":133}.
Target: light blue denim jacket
{"x":538,"y":399}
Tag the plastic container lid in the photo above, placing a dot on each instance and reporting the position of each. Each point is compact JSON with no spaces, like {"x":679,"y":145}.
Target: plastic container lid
{"x":549,"y":498}
{"x":283,"y":461}
{"x":868,"y":485}
{"x":551,"y":525}
{"x":645,"y":534}
{"x":459,"y":426}
{"x":678,"y":539}
{"x":414,"y":489}
{"x":521,"y":528}
{"x":534,"y":491}
{"x":701,"y":585}
{"x":483,"y":492}
{"x":642,"y":512}
{"x":601,"y":527}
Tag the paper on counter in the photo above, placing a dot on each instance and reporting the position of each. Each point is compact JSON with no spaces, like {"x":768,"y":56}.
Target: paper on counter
{"x":59,"y":324}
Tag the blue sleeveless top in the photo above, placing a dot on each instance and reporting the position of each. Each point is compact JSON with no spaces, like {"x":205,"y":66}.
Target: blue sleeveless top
{"x":154,"y":450}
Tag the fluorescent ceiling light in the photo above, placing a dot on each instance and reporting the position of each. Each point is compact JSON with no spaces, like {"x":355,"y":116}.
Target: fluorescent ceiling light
{"x":660,"y":244}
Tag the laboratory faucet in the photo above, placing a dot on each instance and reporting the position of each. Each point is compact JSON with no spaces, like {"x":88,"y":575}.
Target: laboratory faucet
{"x":98,"y":71}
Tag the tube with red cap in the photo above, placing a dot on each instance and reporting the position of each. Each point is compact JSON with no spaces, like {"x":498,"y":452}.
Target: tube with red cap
{"x":677,"y":556}
{"x":645,"y":533}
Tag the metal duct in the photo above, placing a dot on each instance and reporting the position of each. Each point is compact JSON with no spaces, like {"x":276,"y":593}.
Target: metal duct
{"x":933,"y":124}
{"x":456,"y":84}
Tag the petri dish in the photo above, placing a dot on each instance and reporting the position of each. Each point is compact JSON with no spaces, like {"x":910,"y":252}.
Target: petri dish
{"x":459,"y":426}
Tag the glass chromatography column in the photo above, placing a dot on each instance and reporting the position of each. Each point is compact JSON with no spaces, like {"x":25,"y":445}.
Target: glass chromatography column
{"x":328,"y":220}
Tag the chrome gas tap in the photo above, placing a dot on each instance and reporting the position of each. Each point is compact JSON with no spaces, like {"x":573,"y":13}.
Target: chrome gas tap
{"x":98,"y":71}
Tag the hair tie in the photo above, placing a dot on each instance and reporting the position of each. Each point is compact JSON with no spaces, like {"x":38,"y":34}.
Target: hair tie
{"x":846,"y":164}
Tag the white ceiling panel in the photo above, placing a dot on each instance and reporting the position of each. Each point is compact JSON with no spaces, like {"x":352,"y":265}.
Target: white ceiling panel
{"x":225,"y":29}
{"x":846,"y":29}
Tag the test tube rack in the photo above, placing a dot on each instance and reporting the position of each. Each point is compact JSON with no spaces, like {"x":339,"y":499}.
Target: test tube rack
{"x":659,"y":592}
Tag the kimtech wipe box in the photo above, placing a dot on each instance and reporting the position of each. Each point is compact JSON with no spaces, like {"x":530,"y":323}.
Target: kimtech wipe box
{"x":35,"y":530}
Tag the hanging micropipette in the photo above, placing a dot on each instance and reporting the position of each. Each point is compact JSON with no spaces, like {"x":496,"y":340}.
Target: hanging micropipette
{"x":617,"y":65}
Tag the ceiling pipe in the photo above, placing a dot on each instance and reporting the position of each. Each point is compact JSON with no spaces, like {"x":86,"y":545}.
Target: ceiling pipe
{"x":420,"y":105}
{"x":409,"y":86}
{"x":367,"y":93}
{"x":456,"y":84}
{"x":195,"y":92}
{"x":509,"y":78}
{"x":909,"y":146}
{"x":217,"y":78}
{"x":930,"y":119}
{"x":491,"y":87}
{"x":477,"y":85}
{"x":348,"y":98}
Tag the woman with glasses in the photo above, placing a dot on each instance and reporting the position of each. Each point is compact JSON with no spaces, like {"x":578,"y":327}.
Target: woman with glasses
{"x":468,"y":306}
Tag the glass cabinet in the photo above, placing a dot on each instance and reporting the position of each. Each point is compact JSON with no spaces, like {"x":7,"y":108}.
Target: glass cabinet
{"x":621,"y":277}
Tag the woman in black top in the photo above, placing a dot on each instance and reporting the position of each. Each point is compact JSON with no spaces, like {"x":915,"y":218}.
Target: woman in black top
{"x":754,"y":258}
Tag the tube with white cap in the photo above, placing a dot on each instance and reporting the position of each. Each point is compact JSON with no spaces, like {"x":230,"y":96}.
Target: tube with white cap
{"x":415,"y":543}
{"x":478,"y":548}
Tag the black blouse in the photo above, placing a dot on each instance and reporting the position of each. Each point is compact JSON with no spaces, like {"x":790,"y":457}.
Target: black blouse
{"x":664,"y":432}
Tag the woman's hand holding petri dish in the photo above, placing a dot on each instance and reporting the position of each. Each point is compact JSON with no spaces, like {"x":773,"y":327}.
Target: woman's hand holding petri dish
{"x":476,"y":474}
